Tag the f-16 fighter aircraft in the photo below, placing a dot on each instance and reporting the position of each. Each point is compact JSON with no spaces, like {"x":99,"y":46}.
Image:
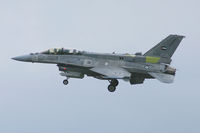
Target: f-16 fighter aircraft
{"x":154,"y":64}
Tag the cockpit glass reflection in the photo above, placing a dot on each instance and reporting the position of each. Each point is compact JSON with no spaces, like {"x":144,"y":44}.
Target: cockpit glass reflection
{"x":61,"y":51}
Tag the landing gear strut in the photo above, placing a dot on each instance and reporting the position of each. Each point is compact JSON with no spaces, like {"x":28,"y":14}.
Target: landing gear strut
{"x":113,"y":85}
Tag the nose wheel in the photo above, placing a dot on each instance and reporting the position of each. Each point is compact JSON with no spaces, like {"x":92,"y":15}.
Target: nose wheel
{"x":113,"y":85}
{"x":65,"y":82}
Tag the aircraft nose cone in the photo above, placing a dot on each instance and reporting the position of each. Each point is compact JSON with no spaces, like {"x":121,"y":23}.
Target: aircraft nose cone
{"x":25,"y":58}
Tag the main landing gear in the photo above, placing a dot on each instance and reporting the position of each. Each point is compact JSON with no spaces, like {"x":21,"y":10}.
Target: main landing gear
{"x":113,"y":85}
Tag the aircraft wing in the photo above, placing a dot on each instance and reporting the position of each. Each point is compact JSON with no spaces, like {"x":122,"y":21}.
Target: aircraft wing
{"x":112,"y":72}
{"x":165,"y":78}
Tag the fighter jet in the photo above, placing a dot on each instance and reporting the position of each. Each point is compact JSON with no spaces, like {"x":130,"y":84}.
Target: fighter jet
{"x":134,"y":68}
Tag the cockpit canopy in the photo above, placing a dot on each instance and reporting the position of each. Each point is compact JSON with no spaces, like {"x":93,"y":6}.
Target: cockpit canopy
{"x":62,"y":51}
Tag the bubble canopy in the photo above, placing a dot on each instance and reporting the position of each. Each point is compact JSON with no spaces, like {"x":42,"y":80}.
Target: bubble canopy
{"x":61,"y":51}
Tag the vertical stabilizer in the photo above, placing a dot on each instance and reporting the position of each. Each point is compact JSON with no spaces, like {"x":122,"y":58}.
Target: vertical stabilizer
{"x":166,"y":48}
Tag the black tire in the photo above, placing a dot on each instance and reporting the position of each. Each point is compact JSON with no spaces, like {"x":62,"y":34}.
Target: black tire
{"x":114,"y":82}
{"x":65,"y":82}
{"x":111,"y":88}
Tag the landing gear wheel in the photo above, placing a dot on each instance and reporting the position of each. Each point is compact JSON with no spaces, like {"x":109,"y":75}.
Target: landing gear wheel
{"x":114,"y":82}
{"x":65,"y":82}
{"x":111,"y":88}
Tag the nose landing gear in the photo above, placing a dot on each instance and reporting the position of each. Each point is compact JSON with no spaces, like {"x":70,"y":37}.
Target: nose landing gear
{"x":66,"y":82}
{"x":113,"y":85}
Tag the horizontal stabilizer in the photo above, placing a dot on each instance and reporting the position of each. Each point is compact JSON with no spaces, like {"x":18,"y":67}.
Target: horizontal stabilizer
{"x":165,"y":78}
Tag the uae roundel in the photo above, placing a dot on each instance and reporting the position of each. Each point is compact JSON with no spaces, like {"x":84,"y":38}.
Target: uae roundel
{"x":163,"y":48}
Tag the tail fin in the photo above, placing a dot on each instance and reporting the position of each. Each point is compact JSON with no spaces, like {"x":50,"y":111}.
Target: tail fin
{"x":166,"y":48}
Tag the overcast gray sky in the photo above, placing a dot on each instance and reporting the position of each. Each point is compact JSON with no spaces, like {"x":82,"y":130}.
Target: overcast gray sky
{"x":33,"y":98}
